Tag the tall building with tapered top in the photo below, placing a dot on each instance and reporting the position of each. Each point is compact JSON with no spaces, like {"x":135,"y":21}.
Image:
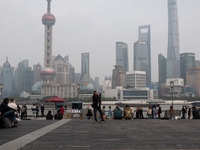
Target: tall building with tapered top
{"x":48,"y":19}
{"x":173,"y":39}
{"x":122,"y":55}
{"x":142,"y":52}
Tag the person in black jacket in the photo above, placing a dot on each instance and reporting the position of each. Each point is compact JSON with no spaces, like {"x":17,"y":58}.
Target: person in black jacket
{"x":49,"y":116}
{"x":7,"y":112}
{"x":58,"y":115}
{"x":89,"y":113}
{"x":97,"y":105}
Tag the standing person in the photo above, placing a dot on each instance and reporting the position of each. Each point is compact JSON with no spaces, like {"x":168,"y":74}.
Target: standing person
{"x":132,"y":109}
{"x":42,"y":110}
{"x":37,"y":111}
{"x":154,"y":112}
{"x":25,"y":116}
{"x":149,"y":112}
{"x":183,"y":112}
{"x":189,"y":112}
{"x":186,"y":112}
{"x":104,"y":112}
{"x":110,"y":114}
{"x":137,"y":112}
{"x":97,"y":106}
{"x":23,"y":112}
{"x":62,"y":110}
{"x":171,"y":112}
{"x":34,"y":111}
{"x":159,"y":111}
{"x":141,"y":113}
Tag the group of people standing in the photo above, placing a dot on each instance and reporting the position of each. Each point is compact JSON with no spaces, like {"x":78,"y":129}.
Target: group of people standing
{"x":190,"y":113}
{"x":153,"y":112}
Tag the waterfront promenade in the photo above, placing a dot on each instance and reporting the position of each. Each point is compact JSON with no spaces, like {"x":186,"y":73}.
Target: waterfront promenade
{"x":115,"y":134}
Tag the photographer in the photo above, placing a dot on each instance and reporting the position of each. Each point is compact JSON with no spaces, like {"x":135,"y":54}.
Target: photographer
{"x":97,"y":105}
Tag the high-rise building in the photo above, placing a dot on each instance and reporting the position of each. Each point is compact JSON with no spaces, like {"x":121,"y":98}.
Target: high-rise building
{"x":62,"y":71}
{"x":23,"y":78}
{"x":118,"y":77}
{"x":85,"y":62}
{"x":162,"y":64}
{"x":86,"y":83}
{"x":187,"y":60}
{"x":193,"y":79}
{"x":122,"y":55}
{"x":36,"y":73}
{"x":197,"y":63}
{"x":48,"y":19}
{"x":136,"y":79}
{"x":7,"y":79}
{"x":96,"y":84}
{"x":71,"y":70}
{"x":142,"y":52}
{"x":173,"y":39}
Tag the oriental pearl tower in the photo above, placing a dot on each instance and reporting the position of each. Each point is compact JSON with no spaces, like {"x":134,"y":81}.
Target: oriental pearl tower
{"x":48,"y":19}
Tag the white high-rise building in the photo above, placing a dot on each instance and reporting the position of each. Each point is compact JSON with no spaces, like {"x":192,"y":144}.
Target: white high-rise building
{"x":136,"y":79}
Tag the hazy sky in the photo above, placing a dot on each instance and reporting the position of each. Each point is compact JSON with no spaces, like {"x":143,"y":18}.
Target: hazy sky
{"x":93,"y":26}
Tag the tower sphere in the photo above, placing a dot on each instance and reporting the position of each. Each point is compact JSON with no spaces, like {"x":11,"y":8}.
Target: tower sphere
{"x":48,"y":19}
{"x":47,"y":73}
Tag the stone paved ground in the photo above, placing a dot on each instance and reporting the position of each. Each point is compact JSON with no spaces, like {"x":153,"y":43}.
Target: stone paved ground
{"x":24,"y":127}
{"x":121,"y":134}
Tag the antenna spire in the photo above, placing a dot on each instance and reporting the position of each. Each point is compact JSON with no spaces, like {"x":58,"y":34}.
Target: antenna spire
{"x":48,"y":6}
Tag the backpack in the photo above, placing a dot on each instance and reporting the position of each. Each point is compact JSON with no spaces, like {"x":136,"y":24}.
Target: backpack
{"x":128,"y":114}
{"x":6,"y":123}
{"x":118,"y":114}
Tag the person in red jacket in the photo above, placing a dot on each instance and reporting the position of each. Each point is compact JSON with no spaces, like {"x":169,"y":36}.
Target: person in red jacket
{"x":62,"y":110}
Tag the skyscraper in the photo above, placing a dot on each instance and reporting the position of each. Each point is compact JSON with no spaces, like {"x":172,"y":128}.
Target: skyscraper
{"x":187,"y":60}
{"x":36,"y":73}
{"x":118,"y":77}
{"x":142,"y":52}
{"x":162,"y":62}
{"x":48,"y":19}
{"x":122,"y":55}
{"x":193,"y":79}
{"x":62,"y":70}
{"x":173,"y":39}
{"x":7,"y":79}
{"x":23,"y":77}
{"x":85,"y":61}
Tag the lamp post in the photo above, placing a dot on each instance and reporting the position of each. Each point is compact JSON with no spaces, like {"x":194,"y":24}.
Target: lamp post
{"x":1,"y":87}
{"x":172,"y":86}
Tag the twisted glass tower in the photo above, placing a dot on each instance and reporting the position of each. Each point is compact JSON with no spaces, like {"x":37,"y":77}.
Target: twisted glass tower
{"x":173,"y":39}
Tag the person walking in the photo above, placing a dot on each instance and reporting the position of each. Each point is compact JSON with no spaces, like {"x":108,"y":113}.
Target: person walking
{"x":96,"y":98}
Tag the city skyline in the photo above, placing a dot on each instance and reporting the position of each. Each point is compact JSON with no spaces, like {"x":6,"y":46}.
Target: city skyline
{"x":93,"y":27}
